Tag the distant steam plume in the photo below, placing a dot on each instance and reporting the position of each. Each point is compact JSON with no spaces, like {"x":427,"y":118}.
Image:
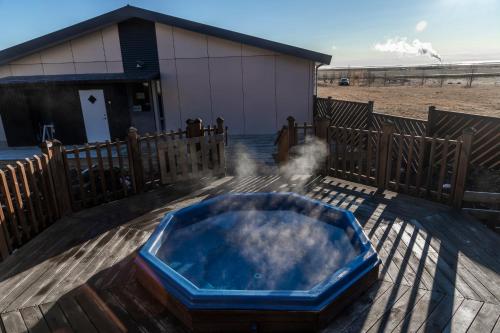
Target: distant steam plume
{"x":402,"y":46}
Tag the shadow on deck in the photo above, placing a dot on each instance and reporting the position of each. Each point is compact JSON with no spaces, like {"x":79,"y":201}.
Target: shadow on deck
{"x":440,"y":269}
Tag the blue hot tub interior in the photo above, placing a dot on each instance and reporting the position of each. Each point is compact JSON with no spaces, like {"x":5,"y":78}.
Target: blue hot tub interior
{"x":266,"y":245}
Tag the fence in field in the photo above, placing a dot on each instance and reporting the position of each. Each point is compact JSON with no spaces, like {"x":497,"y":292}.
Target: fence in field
{"x":441,"y":124}
{"x":486,"y":146}
{"x":37,"y":191}
{"x":389,"y":160}
{"x":343,"y":113}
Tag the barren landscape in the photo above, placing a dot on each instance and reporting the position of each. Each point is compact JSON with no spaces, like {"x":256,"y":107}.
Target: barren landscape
{"x":414,"y":101}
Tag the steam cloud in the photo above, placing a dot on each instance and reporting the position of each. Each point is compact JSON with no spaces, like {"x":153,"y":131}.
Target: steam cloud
{"x":305,"y":159}
{"x":402,"y":46}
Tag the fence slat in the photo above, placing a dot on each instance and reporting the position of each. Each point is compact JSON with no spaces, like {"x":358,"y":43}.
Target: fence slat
{"x":442,"y":170}
{"x":46,"y":189}
{"x":421,"y":156}
{"x":409,"y":164}
{"x":399,"y":160}
{"x":109,"y":152}
{"x":9,"y":205}
{"x":100,"y":168}
{"x":27,"y":195}
{"x":122,"y":168}
{"x":81,"y":182}
{"x":18,"y":201}
{"x":35,"y":190}
{"x":90,"y":169}
{"x":5,"y":245}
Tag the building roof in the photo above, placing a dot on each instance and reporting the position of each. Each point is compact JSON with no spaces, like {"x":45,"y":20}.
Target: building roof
{"x":128,"y":12}
{"x":79,"y":78}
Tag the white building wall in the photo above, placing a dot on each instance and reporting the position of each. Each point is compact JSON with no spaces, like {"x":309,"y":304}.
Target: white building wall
{"x":253,"y":89}
{"x":96,"y":52}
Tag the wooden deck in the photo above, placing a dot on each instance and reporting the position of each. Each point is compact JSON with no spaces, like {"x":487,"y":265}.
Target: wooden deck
{"x":441,"y":269}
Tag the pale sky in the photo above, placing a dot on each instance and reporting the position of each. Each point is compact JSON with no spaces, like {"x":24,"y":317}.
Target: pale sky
{"x":356,"y":33}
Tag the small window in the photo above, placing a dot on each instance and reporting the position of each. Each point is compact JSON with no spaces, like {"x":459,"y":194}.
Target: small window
{"x":141,"y":97}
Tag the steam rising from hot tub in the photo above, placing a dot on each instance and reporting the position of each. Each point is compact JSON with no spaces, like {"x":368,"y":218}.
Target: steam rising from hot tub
{"x":305,"y":159}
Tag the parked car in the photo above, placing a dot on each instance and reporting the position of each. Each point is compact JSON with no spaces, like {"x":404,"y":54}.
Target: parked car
{"x":344,"y":81}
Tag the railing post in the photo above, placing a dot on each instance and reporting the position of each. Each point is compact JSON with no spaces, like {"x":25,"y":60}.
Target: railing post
{"x":384,"y":154}
{"x":283,"y":146}
{"x":463,"y":166}
{"x":135,"y":160}
{"x":292,"y":131}
{"x":369,"y":119}
{"x":194,"y":128}
{"x":220,"y":126}
{"x":431,"y":120}
{"x":54,"y":151}
{"x":320,"y":128}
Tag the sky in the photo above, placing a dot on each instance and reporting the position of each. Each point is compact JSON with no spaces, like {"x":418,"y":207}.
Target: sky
{"x":355,"y":33}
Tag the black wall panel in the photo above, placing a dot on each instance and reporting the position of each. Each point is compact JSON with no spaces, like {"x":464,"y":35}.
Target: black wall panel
{"x":138,"y":46}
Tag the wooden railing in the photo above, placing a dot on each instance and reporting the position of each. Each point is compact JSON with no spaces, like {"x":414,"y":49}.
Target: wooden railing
{"x":484,"y":206}
{"x":434,"y":168}
{"x":402,"y":125}
{"x":441,"y":124}
{"x":37,"y":191}
{"x":28,"y":199}
{"x":343,"y":113}
{"x":486,"y":147}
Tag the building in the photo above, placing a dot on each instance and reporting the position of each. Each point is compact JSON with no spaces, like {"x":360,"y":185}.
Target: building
{"x":134,"y":67}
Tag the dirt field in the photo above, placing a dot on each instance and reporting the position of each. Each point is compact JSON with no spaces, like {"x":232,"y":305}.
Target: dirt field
{"x":413,"y":101}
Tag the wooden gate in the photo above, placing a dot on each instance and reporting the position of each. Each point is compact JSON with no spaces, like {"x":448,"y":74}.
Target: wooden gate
{"x":190,"y":158}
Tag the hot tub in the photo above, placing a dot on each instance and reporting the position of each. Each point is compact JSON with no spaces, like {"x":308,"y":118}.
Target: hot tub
{"x":257,"y":262}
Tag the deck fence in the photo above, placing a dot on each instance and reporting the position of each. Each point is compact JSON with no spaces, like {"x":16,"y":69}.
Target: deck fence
{"x":440,"y":124}
{"x":429,"y":167}
{"x":37,"y":191}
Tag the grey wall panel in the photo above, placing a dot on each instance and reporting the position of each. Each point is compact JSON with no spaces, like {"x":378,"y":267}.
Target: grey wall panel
{"x":170,"y":96}
{"x":218,"y":47}
{"x":259,"y":95}
{"x":292,"y":89}
{"x":243,"y":85}
{"x":194,"y":89}
{"x":227,"y":93}
{"x":96,"y":52}
{"x":165,"y":40}
{"x":55,"y":69}
{"x":189,"y":44}
{"x":5,"y":71}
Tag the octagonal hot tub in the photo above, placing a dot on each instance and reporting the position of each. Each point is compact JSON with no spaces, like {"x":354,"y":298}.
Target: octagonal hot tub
{"x":257,"y":262}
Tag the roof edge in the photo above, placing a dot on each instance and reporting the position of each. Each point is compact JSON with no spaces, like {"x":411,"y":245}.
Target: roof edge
{"x":127,"y":12}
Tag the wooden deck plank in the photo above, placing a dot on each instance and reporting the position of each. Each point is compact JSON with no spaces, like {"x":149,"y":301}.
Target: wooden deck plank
{"x":415,"y":319}
{"x":98,"y":313}
{"x":132,"y":326}
{"x":112,"y":275}
{"x":464,"y":316}
{"x":28,"y":285}
{"x":431,"y":265}
{"x":353,"y":311}
{"x":486,"y":318}
{"x":76,"y":316}
{"x":34,"y":320}
{"x":468,"y":271}
{"x":404,"y":305}
{"x":423,"y":279}
{"x":442,"y":270}
{"x":383,"y":304}
{"x":83,"y":268}
{"x":37,"y":289}
{"x":55,"y":318}
{"x":442,"y":314}
{"x":139,"y":313}
{"x":13,"y":322}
